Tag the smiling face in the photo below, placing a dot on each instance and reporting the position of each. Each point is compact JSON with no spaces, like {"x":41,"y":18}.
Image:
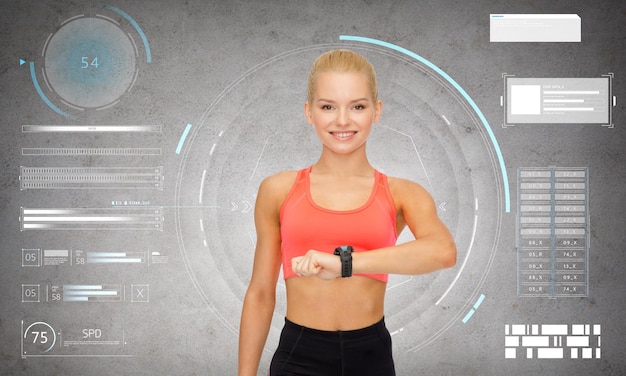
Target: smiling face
{"x":342,"y":110}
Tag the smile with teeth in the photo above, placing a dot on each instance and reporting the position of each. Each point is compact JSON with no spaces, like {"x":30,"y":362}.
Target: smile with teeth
{"x":345,"y":134}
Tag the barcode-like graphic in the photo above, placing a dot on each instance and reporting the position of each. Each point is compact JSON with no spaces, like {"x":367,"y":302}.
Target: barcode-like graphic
{"x":91,"y":178}
{"x":549,"y":341}
{"x":91,"y":151}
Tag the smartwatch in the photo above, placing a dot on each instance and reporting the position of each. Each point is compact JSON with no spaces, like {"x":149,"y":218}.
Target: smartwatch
{"x":345,"y":254}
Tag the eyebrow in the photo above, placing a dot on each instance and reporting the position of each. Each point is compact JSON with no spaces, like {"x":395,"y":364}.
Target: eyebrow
{"x":352,"y":101}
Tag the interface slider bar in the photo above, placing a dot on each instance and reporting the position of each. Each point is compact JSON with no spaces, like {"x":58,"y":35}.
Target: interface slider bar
{"x":108,"y":260}
{"x":85,"y":293}
{"x":573,"y":92}
{"x":91,"y":151}
{"x":563,"y":101}
{"x":581,"y":109}
{"x":90,"y":128}
{"x":115,"y":257}
{"x":56,"y":253}
{"x":92,"y":219}
{"x":91,"y":178}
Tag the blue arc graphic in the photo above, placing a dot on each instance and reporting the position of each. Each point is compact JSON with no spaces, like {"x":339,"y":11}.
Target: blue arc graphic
{"x":33,"y":75}
{"x":136,"y":26}
{"x":181,"y":141}
{"x":505,"y":179}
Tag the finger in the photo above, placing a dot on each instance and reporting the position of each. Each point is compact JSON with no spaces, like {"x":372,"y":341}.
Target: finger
{"x":308,"y":267}
{"x":295,"y":265}
{"x":304,"y":267}
{"x":300,"y":266}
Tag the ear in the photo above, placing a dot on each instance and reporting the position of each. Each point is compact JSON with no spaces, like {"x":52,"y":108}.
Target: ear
{"x":307,"y":113}
{"x":378,"y":108}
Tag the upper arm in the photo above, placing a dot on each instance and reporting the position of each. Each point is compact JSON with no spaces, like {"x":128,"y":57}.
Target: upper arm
{"x":267,"y":256}
{"x":418,"y":211}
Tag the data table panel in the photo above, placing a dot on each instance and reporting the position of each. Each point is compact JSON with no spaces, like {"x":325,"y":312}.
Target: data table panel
{"x":553,"y":230}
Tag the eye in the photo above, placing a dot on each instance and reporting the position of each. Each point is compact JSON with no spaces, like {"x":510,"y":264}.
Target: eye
{"x":359,"y":107}
{"x":326,"y":107}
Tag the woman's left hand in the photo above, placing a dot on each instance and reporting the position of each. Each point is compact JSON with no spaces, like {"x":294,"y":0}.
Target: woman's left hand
{"x":315,"y":263}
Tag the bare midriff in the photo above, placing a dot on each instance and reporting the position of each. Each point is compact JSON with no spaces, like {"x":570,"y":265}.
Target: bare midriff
{"x":340,"y":304}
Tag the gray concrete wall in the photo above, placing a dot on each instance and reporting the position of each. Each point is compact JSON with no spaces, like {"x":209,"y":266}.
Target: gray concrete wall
{"x":216,"y":88}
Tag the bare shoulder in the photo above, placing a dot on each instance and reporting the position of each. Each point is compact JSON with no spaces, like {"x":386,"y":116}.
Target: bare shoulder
{"x":279,"y":182}
{"x":407,"y":192}
{"x":275,"y":188}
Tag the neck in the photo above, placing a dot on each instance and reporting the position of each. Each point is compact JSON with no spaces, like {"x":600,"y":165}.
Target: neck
{"x":343,"y":165}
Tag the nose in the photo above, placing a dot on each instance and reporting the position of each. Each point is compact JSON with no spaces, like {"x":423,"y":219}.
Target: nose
{"x":343,"y":117}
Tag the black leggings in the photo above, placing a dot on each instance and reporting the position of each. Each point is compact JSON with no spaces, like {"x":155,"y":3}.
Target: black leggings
{"x":303,"y":351}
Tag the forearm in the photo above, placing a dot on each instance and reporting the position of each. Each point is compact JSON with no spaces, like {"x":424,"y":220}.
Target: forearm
{"x":256,"y":319}
{"x":415,"y":257}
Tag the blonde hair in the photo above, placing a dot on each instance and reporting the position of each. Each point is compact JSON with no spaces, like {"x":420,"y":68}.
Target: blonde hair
{"x":342,"y":61}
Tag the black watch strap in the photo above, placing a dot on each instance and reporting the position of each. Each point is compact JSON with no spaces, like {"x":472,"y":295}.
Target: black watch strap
{"x":345,"y":254}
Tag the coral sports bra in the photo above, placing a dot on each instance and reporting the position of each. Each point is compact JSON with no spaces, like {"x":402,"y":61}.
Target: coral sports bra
{"x":304,"y":225}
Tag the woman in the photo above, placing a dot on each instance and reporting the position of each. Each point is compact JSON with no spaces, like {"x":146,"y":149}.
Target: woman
{"x":334,"y":226}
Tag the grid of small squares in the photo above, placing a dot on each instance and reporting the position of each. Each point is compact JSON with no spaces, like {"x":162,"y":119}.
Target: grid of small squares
{"x":550,"y":341}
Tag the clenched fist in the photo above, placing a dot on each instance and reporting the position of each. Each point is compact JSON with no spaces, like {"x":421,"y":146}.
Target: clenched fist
{"x":316,"y":263}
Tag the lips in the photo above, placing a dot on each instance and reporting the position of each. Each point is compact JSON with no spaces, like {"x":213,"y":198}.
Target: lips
{"x":343,"y":135}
